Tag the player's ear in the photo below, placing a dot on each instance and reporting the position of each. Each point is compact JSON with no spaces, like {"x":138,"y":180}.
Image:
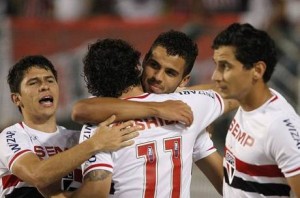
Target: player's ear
{"x":15,"y":98}
{"x":185,"y":81}
{"x":259,"y":70}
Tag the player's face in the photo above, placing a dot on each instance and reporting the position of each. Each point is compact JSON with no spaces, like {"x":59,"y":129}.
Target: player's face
{"x":163,"y":73}
{"x":38,"y":97}
{"x":231,"y":78}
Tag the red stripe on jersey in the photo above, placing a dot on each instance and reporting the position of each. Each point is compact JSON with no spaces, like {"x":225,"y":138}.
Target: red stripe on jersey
{"x":17,"y":155}
{"x":274,"y":98}
{"x":291,"y":171}
{"x":9,"y":181}
{"x":220,"y":101}
{"x":141,"y":96}
{"x":96,"y":165}
{"x":257,"y":170}
{"x":211,"y":148}
{"x":21,"y":123}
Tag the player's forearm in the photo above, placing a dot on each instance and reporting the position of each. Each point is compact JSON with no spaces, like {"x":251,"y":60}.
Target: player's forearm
{"x":54,"y":168}
{"x":95,"y":110}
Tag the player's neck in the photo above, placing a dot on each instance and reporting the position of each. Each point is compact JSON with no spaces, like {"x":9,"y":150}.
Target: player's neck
{"x":256,"y":98}
{"x":132,"y":92}
{"x":49,"y":125}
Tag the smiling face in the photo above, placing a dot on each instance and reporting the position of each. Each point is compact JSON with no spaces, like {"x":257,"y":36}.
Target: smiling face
{"x":38,"y":97}
{"x":163,"y":73}
{"x":232,"y":79}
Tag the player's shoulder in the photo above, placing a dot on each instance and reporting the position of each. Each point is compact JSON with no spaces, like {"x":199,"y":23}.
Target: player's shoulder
{"x":64,"y":129}
{"x":198,"y":96}
{"x":197,"y":93}
{"x":12,"y":129}
{"x":70,"y":133}
{"x":12,"y":134}
{"x":88,"y":129}
{"x":279,"y":108}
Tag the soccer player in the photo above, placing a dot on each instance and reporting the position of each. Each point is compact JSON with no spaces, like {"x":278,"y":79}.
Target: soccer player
{"x":36,"y":152}
{"x":159,"y":163}
{"x":166,"y":66}
{"x":262,"y":154}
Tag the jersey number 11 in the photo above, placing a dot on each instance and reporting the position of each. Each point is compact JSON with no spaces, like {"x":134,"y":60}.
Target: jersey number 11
{"x":149,"y":153}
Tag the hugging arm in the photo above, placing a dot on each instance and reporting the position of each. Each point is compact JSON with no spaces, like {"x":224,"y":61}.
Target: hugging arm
{"x":96,"y":184}
{"x":44,"y":173}
{"x":97,"y":109}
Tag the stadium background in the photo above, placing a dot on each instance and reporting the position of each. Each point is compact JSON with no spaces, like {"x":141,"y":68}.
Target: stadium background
{"x":62,"y":30}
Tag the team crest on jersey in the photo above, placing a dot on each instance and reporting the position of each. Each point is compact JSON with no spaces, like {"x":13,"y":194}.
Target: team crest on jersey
{"x":230,"y":166}
{"x":150,"y":154}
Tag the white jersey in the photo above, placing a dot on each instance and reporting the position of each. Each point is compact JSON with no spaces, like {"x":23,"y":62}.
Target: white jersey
{"x":203,"y":146}
{"x":262,"y":148}
{"x":19,"y":139}
{"x":159,"y":163}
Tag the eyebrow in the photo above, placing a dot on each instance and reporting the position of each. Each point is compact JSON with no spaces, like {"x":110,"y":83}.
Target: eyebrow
{"x":153,"y":60}
{"x":37,"y":78}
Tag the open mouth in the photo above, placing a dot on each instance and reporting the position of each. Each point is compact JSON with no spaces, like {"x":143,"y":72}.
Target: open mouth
{"x":46,"y":100}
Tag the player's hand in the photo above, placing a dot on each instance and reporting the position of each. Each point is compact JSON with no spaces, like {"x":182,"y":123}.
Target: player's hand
{"x":175,"y":110}
{"x":111,"y":138}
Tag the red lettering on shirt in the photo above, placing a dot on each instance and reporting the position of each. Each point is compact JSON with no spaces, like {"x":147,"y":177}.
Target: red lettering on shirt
{"x":242,"y":137}
{"x":42,"y":152}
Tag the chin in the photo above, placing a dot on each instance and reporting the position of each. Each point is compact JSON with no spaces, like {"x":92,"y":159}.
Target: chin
{"x":224,"y":95}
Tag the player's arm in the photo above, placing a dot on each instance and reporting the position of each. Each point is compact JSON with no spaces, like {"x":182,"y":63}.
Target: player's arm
{"x":282,"y":145}
{"x":294,"y":183}
{"x":97,"y":109}
{"x":42,"y":173}
{"x":212,"y":168}
{"x":96,"y":183}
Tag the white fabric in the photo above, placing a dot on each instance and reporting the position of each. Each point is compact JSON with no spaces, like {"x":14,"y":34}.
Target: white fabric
{"x":203,"y":147}
{"x":262,"y":148}
{"x":155,"y":144}
{"x":19,"y":139}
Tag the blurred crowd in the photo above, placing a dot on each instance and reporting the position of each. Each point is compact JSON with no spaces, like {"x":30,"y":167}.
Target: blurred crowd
{"x":259,"y":13}
{"x":281,"y":18}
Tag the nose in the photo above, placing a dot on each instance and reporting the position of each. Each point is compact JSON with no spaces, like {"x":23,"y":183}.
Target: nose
{"x":44,"y":86}
{"x":216,"y":76}
{"x":158,"y":75}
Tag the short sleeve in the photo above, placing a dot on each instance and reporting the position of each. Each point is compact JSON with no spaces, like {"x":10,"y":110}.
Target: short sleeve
{"x":100,"y":161}
{"x":14,"y":144}
{"x":203,"y":147}
{"x":283,"y":143}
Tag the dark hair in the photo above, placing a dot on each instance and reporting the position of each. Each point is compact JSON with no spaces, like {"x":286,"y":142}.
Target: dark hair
{"x":111,"y":67}
{"x":176,"y":43}
{"x":251,"y":45}
{"x":17,"y":71}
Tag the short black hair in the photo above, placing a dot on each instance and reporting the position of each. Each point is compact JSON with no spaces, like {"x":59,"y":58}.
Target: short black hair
{"x":176,"y":43}
{"x":251,"y":45}
{"x":111,"y":67}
